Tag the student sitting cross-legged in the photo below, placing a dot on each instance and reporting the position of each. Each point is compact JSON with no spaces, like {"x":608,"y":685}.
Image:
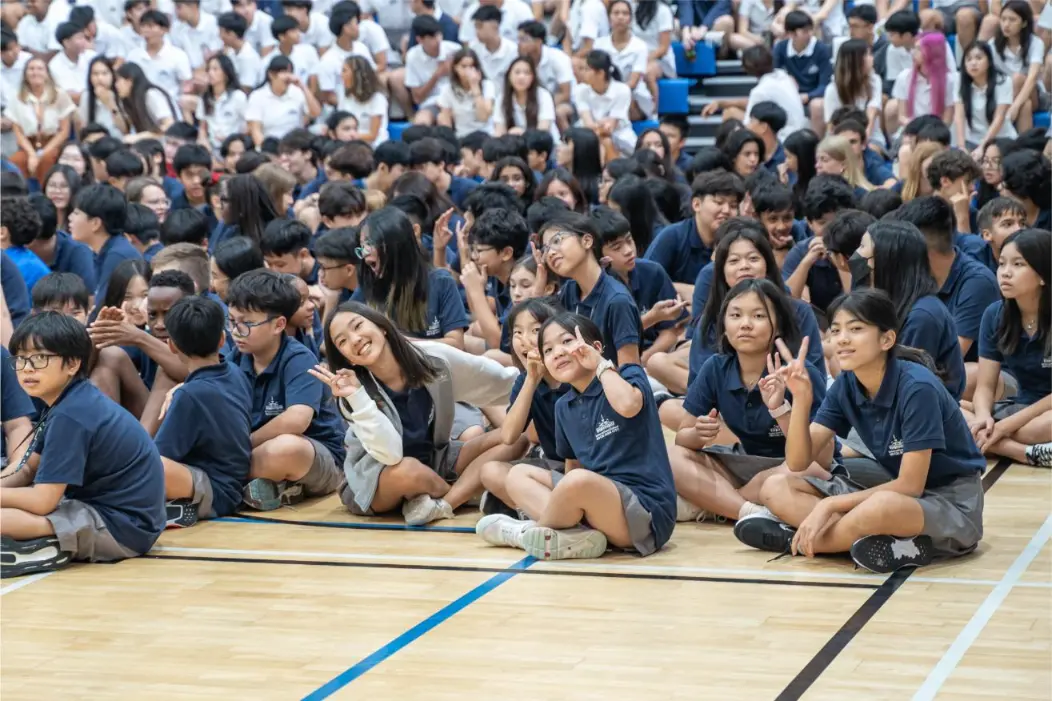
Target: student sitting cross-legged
{"x":739,"y":387}
{"x":204,"y":438}
{"x":399,"y":397}
{"x":617,"y":475}
{"x":933,"y":503}
{"x":297,"y":436}
{"x":92,"y":486}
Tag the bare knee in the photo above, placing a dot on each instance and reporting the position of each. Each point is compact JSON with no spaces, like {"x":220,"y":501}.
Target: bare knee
{"x":494,"y":474}
{"x":283,"y":452}
{"x":577,"y":482}
{"x":776,"y":489}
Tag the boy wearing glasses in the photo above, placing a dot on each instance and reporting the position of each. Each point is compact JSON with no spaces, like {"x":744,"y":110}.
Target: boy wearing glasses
{"x":297,"y":436}
{"x":204,"y":438}
{"x":93,"y":486}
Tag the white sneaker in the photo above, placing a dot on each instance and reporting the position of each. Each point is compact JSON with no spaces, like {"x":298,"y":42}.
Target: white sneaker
{"x":501,"y":529}
{"x":685,"y":511}
{"x":569,"y":544}
{"x":423,"y":509}
{"x":749,"y":509}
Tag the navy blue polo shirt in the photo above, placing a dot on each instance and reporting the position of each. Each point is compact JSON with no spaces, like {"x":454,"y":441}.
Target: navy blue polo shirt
{"x":106,"y":460}
{"x":445,"y":308}
{"x":152,"y":250}
{"x":459,"y":189}
{"x":684,"y":161}
{"x":74,"y":257}
{"x":822,"y":280}
{"x":1028,"y":364}
{"x":450,"y":30}
{"x":650,"y":284}
{"x":285,"y":383}
{"x":911,"y":411}
{"x":719,"y":386}
{"x":703,"y":346}
{"x":977,"y":247}
{"x":969,"y":289}
{"x":416,"y":410}
{"x":678,"y":249}
{"x":930,"y":328}
{"x":115,"y":251}
{"x":452,"y":260}
{"x":16,"y":294}
{"x":14,"y":402}
{"x":208,"y":427}
{"x":312,"y":277}
{"x":222,"y":232}
{"x":877,"y":170}
{"x":173,"y":188}
{"x":611,"y":307}
{"x":630,"y":451}
{"x":303,"y":191}
{"x":777,"y":158}
{"x":1044,"y":220}
{"x":142,"y":361}
{"x":542,"y":413}
{"x":500,"y":294}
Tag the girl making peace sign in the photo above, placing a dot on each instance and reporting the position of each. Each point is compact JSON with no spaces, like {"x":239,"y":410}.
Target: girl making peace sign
{"x":905,"y":415}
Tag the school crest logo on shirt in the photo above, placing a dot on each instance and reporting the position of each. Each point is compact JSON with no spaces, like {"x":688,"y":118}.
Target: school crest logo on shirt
{"x":895,"y":447}
{"x":1046,"y":362}
{"x":775,"y":432}
{"x":605,"y":428}
{"x":434,"y":328}
{"x":272,"y":408}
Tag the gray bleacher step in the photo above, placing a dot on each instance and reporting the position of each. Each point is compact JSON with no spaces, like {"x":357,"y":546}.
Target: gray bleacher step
{"x":693,"y":143}
{"x":703,"y":126}
{"x":698,"y":102}
{"x":729,"y":67}
{"x":729,"y":85}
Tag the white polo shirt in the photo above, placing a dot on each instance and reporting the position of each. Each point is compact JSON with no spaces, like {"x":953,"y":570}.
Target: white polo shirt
{"x":318,"y":34}
{"x":259,"y":34}
{"x":304,"y":59}
{"x":110,"y":41}
{"x":419,"y":67}
{"x":249,"y":66}
{"x":631,"y":59}
{"x":613,"y":104}
{"x":513,"y":13}
{"x":11,"y":78}
{"x":278,"y":115}
{"x":330,"y":66}
{"x":545,"y":112}
{"x":216,"y":7}
{"x":555,"y":69}
{"x":588,"y":20}
{"x":975,"y":131}
{"x":462,"y":105}
{"x":375,"y":106}
{"x":197,"y":41}
{"x":228,"y":117}
{"x":109,"y":11}
{"x":168,"y":70}
{"x":69,"y":75}
{"x":780,"y":88}
{"x":496,"y":64}
{"x":36,"y":35}
{"x":375,"y":39}
{"x":394,"y":16}
{"x":922,"y":94}
{"x":651,"y":35}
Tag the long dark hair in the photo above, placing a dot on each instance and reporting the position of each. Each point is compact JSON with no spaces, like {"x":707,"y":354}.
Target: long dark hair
{"x":134,"y":107}
{"x":803,"y":145}
{"x":417,"y":369}
{"x":248,"y":206}
{"x":599,"y":60}
{"x":900,"y":264}
{"x":570,"y":322}
{"x":454,"y":79}
{"x":773,"y":296}
{"x":1026,"y":34}
{"x":586,"y":166}
{"x":667,"y":165}
{"x":873,"y":307}
{"x":400,"y":289}
{"x":117,"y":287}
{"x":540,"y":308}
{"x":232,"y":82}
{"x":633,"y":198}
{"x":1035,"y":245}
{"x":993,"y":77}
{"x":527,"y":176}
{"x":74,"y":182}
{"x":737,"y":141}
{"x":415,"y":183}
{"x":507,"y":101}
{"x":92,"y":101}
{"x":850,"y":75}
{"x":731,"y":231}
{"x":277,"y":64}
{"x":986,"y":191}
{"x":645,"y":13}
{"x":566,"y":178}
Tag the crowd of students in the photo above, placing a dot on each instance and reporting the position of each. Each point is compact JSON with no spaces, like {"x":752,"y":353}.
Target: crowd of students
{"x":819,"y":328}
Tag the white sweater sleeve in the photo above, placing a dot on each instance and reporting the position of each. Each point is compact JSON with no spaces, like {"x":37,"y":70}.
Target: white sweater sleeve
{"x":371,"y":428}
{"x":477,"y":380}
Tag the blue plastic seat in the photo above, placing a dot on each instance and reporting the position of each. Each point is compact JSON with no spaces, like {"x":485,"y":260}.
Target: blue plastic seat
{"x":395,"y":129}
{"x":644,"y":124}
{"x":704,"y":62}
{"x":672,"y":95}
{"x":1041,"y":120}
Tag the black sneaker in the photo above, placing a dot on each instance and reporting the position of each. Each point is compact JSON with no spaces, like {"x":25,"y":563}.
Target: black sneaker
{"x":22,"y":557}
{"x":764,"y":532}
{"x":1039,"y":455}
{"x":492,"y":504}
{"x":180,"y":513}
{"x":883,"y":554}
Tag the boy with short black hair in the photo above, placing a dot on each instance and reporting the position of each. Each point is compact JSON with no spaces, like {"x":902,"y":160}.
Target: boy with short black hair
{"x":429,"y":157}
{"x":337,"y":261}
{"x":428,"y":66}
{"x":192,"y":165}
{"x":186,"y":226}
{"x":99,"y":152}
{"x":952,"y":175}
{"x":143,"y":230}
{"x":539,"y":148}
{"x":64,"y":293}
{"x":297,"y":436}
{"x":471,"y":155}
{"x":97,"y":220}
{"x":166,"y":65}
{"x":204,"y":439}
{"x":1028,"y":178}
{"x":497,"y":239}
{"x":247,"y":63}
{"x":19,"y":227}
{"x":774,"y":207}
{"x":286,"y":249}
{"x":676,"y":129}
{"x":809,"y":61}
{"x":94,"y":489}
{"x":353,"y":161}
{"x":391,"y":159}
{"x":765,"y":121}
{"x":296,"y":150}
{"x":998,"y":219}
{"x":877,"y":170}
{"x":122,"y":166}
{"x":341,"y":204}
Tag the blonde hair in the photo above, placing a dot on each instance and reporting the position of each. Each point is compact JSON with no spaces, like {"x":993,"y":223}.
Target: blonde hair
{"x":51,"y":91}
{"x":839,"y":149}
{"x":277,"y":181}
{"x":374,"y":200}
{"x":914,"y":168}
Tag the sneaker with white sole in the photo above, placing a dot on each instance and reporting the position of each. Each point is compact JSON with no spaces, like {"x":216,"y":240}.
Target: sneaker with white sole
{"x":567,"y":544}
{"x":883,"y":554}
{"x":423,"y":509}
{"x":501,"y":529}
{"x":764,"y":531}
{"x":180,"y":513}
{"x":267,"y":495}
{"x":751,"y":509}
{"x":1039,"y":455}
{"x":22,"y":557}
{"x":685,"y":511}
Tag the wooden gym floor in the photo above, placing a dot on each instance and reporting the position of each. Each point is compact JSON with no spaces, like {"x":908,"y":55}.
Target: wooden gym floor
{"x":247,"y":608}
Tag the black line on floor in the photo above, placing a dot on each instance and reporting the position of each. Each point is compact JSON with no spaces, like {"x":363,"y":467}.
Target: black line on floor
{"x":865,"y":613}
{"x":557,"y":573}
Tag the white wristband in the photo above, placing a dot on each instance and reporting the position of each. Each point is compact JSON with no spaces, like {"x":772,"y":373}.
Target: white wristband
{"x":784,"y":409}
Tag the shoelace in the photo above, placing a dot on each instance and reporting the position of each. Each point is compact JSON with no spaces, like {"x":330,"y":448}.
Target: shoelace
{"x":704,"y":516}
{"x":786,"y":552}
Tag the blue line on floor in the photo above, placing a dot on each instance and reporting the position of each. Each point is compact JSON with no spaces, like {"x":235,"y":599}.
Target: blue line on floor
{"x":352,"y":526}
{"x":417,"y":631}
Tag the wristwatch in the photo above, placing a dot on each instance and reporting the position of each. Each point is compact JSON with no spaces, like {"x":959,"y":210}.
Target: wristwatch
{"x":604,"y":365}
{"x":784,"y":409}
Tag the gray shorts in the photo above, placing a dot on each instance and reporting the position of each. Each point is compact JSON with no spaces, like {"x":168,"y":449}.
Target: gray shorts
{"x":324,"y":477}
{"x":953,"y":513}
{"x":82,"y":532}
{"x":543,"y":463}
{"x":866,"y":472}
{"x":365,"y":482}
{"x":464,"y":417}
{"x":637,"y":517}
{"x":203,"y":492}
{"x":739,"y":463}
{"x":1003,"y":408}
{"x":949,"y":14}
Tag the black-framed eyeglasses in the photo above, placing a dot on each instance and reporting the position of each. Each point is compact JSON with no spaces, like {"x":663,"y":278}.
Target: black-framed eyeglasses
{"x":38,"y":361}
{"x":475,"y":249}
{"x":332,"y":267}
{"x":241,"y":329}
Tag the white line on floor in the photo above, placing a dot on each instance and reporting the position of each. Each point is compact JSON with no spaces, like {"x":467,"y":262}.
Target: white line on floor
{"x":23,"y":582}
{"x":983,"y":614}
{"x":596,"y":569}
